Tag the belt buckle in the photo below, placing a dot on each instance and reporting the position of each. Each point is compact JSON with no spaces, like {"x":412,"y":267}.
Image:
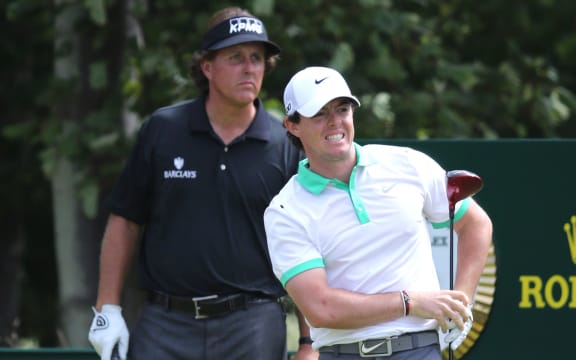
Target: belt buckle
{"x":197,"y":301}
{"x":372,"y":348}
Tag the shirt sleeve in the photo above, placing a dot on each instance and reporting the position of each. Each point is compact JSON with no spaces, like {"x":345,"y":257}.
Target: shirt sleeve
{"x":436,"y":199}
{"x":131,"y":194}
{"x":290,"y":241}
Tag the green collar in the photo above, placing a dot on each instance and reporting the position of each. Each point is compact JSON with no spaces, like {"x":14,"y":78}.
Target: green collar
{"x":316,"y":183}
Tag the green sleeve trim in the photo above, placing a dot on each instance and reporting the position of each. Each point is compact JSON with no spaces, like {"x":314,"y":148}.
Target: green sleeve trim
{"x":461,"y":211}
{"x":310,"y":264}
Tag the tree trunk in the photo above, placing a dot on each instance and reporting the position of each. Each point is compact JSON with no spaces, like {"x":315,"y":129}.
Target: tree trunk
{"x":90,"y":59}
{"x":76,"y":252}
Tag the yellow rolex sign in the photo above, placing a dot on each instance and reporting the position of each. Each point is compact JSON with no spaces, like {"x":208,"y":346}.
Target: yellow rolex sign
{"x":558,"y":290}
{"x":570,"y":229}
{"x":527,"y":297}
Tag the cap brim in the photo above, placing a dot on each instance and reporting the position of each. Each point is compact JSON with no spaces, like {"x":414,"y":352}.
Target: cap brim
{"x":273,"y":49}
{"x":312,"y":107}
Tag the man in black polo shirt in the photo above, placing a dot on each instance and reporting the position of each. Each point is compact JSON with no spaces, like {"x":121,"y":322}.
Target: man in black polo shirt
{"x":191,"y":199}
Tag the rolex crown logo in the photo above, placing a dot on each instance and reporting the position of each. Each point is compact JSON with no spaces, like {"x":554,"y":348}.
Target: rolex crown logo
{"x":570,"y":229}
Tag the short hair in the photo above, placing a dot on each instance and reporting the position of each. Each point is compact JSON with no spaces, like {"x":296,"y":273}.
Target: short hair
{"x":295,"y":140}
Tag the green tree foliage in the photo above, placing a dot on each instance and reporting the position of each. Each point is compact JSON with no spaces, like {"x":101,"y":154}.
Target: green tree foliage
{"x":423,"y":68}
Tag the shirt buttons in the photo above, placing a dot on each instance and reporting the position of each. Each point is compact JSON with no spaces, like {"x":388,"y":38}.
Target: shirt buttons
{"x":222,"y":167}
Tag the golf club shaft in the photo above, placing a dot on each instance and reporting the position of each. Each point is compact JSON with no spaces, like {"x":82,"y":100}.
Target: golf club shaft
{"x":460,"y":185}
{"x":450,"y":352}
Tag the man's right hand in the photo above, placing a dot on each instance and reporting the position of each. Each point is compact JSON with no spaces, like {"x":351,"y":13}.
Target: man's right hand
{"x":108,"y":329}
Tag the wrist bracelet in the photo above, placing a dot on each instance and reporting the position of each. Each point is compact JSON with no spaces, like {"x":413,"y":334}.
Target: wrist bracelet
{"x":406,"y":302}
{"x":305,"y":340}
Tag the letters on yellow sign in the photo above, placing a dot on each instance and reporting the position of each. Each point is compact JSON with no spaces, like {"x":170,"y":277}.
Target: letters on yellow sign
{"x":570,"y":229}
{"x":556,"y":292}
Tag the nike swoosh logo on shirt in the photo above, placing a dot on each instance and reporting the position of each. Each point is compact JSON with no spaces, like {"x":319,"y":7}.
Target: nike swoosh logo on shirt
{"x":366,"y":350}
{"x":319,"y":81}
{"x":388,"y":188}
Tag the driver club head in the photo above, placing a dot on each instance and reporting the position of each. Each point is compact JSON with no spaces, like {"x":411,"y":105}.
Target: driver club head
{"x":462,"y":184}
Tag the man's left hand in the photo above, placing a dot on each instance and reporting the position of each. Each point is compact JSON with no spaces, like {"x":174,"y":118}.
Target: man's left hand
{"x":455,"y":335}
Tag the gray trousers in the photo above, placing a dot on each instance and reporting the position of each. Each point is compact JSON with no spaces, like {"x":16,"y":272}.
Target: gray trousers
{"x":431,"y":352}
{"x":257,"y":333}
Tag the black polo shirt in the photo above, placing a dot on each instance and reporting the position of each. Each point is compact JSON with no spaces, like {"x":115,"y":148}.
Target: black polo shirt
{"x":202,"y":202}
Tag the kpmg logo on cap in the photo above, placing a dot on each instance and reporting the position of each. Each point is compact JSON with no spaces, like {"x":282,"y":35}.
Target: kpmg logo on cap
{"x":246,"y":24}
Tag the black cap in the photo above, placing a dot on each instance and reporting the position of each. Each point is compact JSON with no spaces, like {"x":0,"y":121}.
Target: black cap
{"x":238,"y":30}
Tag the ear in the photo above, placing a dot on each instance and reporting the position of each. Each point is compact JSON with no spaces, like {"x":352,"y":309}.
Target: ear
{"x":206,"y":67}
{"x":292,"y":127}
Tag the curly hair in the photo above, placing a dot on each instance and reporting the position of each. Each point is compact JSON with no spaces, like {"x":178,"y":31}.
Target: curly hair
{"x":198,"y":56}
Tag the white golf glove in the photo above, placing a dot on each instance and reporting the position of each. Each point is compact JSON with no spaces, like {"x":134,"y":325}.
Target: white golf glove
{"x":455,"y":336}
{"x":108,"y":329}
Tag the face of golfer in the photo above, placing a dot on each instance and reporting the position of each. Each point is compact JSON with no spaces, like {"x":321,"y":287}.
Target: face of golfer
{"x":236,"y":73}
{"x":328,"y":136}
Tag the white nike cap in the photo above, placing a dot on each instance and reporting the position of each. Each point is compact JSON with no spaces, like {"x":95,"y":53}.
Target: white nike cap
{"x":312,"y":88}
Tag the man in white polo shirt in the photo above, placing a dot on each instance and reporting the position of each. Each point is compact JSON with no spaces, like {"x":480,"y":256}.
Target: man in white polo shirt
{"x":348,"y":234}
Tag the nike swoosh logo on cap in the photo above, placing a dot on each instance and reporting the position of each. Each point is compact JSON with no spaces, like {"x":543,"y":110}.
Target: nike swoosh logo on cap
{"x":366,"y":350}
{"x":319,"y":81}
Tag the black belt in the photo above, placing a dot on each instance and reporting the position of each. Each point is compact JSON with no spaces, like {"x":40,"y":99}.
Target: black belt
{"x":385,"y":346}
{"x":205,"y":306}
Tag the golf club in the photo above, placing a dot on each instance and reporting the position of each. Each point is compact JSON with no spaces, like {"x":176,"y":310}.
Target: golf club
{"x":460,"y":185}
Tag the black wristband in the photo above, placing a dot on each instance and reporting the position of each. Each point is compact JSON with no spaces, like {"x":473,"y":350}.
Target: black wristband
{"x":305,"y":340}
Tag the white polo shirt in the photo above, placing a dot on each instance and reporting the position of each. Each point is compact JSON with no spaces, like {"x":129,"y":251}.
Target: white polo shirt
{"x":370,"y":235}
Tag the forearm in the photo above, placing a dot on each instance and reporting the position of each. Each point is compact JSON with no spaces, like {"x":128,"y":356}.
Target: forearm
{"x":341,"y":309}
{"x":305,"y":351}
{"x":303,"y":328}
{"x":118,"y":247}
{"x":474,"y":241}
{"x":326,"y":307}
